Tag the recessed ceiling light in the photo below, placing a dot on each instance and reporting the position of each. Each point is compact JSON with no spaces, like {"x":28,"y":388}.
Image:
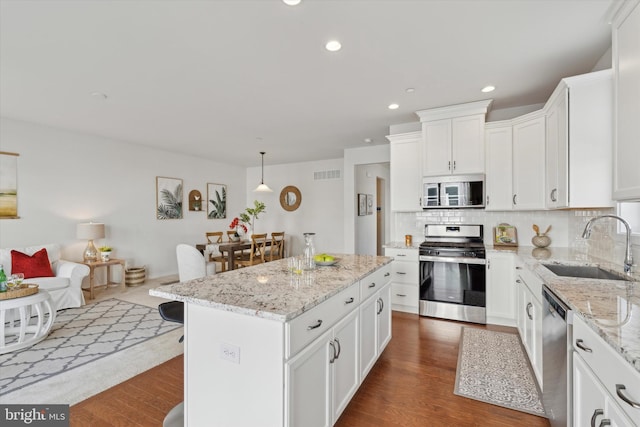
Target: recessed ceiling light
{"x":291,"y":2}
{"x":393,"y":106}
{"x":409,"y":90}
{"x":333,"y":46}
{"x":99,"y":95}
{"x":488,"y":89}
{"x":368,"y":140}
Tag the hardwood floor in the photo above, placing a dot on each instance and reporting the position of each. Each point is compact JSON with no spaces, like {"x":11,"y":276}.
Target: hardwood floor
{"x":411,"y":385}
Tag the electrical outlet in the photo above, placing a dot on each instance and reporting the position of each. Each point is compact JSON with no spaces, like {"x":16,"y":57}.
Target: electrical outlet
{"x":230,"y":352}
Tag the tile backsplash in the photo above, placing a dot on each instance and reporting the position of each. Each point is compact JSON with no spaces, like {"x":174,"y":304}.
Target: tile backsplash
{"x":566,"y":228}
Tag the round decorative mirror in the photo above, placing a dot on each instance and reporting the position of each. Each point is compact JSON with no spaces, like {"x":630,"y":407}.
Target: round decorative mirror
{"x":290,"y":198}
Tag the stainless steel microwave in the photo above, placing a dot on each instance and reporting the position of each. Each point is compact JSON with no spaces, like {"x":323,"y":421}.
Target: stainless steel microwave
{"x":453,"y":191}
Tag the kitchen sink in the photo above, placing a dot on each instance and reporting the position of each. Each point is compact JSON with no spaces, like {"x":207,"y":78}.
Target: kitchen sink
{"x":584,"y":271}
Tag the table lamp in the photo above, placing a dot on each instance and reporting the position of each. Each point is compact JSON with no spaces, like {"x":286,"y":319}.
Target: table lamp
{"x":90,"y":231}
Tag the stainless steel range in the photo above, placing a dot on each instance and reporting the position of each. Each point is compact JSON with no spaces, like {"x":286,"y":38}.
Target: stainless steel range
{"x":452,"y":273}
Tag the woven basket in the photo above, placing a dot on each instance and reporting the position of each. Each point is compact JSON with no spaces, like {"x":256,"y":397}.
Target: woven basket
{"x":25,"y":289}
{"x":135,"y":276}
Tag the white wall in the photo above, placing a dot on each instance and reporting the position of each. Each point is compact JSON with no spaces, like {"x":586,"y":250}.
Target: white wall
{"x":320,"y":211}
{"x":366,"y":226}
{"x":65,"y":178}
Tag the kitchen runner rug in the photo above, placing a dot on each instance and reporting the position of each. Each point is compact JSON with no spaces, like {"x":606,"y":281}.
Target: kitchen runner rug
{"x":493,"y":368}
{"x":81,"y":337}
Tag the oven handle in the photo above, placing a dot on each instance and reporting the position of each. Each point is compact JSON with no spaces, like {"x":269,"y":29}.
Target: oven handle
{"x":454,"y":260}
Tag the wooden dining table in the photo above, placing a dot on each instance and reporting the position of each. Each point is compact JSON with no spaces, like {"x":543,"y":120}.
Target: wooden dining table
{"x":229,"y":250}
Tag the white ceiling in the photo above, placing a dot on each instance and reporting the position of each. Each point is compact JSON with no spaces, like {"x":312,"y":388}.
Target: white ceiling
{"x":227,"y":79}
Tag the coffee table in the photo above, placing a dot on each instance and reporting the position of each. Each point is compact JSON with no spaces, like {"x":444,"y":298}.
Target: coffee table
{"x":28,"y":318}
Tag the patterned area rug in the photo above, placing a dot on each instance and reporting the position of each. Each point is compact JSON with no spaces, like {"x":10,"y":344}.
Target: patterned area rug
{"x":80,"y":336}
{"x":493,"y":368}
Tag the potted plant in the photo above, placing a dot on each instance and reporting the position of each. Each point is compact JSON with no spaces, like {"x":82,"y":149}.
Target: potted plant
{"x":251,"y":214}
{"x":105,"y":253}
{"x":235,"y":225}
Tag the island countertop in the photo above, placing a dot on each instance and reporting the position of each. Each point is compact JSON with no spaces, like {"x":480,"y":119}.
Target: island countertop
{"x":609,"y":307}
{"x":269,"y":290}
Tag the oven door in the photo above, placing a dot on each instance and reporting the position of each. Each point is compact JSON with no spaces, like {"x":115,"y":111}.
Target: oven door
{"x":453,"y":288}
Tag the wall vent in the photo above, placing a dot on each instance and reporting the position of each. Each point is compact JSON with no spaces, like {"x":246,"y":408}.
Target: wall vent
{"x":334,"y":174}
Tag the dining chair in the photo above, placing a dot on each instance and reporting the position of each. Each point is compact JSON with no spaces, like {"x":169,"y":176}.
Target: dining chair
{"x":276,"y":251}
{"x":256,"y":253}
{"x":215,"y":238}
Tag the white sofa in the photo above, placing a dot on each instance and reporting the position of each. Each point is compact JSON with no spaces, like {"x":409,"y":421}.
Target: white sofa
{"x":66,"y":287}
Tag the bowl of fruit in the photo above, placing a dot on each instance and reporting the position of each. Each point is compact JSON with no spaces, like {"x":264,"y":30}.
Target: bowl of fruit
{"x":325,"y":260}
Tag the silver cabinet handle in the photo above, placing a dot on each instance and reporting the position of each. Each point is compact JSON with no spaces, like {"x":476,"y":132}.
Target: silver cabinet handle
{"x":553,"y":195}
{"x":454,"y":165}
{"x":529,"y":305}
{"x":333,"y":352}
{"x":372,"y":285}
{"x":595,"y":416}
{"x":620,"y":388}
{"x":605,"y":422}
{"x":518,"y":268}
{"x":449,"y":167}
{"x":339,"y":348}
{"x":400,"y":272}
{"x":401,"y":295}
{"x":349,"y":301}
{"x":518,"y":281}
{"x":387,"y":274}
{"x":487,"y":200}
{"x":401,"y":255}
{"x":317,"y":325}
{"x":514,"y":199}
{"x":581,"y":346}
{"x":380,"y":305}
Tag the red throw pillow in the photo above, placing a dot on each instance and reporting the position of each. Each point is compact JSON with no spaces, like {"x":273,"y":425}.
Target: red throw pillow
{"x":36,"y":265}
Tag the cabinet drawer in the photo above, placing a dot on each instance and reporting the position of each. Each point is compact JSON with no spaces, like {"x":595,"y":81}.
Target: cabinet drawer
{"x":530,"y":280}
{"x":406,"y":295}
{"x":609,"y":366}
{"x":310,"y":325}
{"x":375,"y":281}
{"x":404,"y":272}
{"x":402,"y":254}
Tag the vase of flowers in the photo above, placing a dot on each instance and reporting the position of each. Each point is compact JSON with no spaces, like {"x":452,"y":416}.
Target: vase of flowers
{"x":105,"y":253}
{"x":239,"y":227}
{"x":251,"y":214}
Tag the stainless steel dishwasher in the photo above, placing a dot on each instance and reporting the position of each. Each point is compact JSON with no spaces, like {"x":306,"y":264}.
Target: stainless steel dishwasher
{"x":556,"y":365}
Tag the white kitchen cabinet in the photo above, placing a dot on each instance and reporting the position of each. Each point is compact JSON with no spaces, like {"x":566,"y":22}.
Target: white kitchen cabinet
{"x":592,"y":405}
{"x":626,"y":65}
{"x":529,"y":315}
{"x":501,"y":295}
{"x":453,"y":139}
{"x":375,"y":329}
{"x":405,"y":171}
{"x":610,"y":372}
{"x":498,"y":166}
{"x":579,"y":134}
{"x":405,"y":287}
{"x":323,"y":377}
{"x":528,"y":162}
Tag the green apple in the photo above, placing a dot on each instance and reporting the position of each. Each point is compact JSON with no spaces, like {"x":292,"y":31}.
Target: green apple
{"x":319,"y":258}
{"x":328,"y":258}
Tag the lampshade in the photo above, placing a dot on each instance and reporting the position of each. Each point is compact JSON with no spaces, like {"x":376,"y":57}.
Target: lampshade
{"x":263,"y":187}
{"x":90,"y":231}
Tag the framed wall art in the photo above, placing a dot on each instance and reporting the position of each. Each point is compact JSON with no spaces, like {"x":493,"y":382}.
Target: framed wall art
{"x":216,"y":201}
{"x":168,"y":198}
{"x":362,"y":204}
{"x":505,"y":235}
{"x":8,"y":185}
{"x":369,"y":204}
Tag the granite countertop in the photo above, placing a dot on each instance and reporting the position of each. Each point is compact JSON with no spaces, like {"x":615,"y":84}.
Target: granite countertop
{"x":269,"y":290}
{"x":610,"y":307}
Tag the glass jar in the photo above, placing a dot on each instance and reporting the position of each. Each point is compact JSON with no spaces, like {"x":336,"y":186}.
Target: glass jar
{"x":309,"y":262}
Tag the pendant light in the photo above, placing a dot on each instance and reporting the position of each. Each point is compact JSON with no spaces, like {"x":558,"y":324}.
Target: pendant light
{"x":263,"y":188}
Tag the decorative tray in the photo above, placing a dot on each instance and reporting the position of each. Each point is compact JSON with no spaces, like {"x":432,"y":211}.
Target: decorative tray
{"x":24,"y":290}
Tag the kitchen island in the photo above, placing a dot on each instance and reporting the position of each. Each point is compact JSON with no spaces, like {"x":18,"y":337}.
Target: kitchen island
{"x":267,"y":347}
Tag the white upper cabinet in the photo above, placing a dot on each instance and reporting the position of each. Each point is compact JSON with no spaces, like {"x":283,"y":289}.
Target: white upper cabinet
{"x":405,"y":171}
{"x":453,"y":139}
{"x":499,"y":166}
{"x":528,"y":162}
{"x":579,"y":135}
{"x":626,"y":65}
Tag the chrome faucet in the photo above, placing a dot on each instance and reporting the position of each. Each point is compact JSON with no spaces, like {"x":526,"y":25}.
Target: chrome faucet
{"x":628,"y":256}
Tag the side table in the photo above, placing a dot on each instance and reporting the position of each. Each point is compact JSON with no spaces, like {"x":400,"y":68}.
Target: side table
{"x":28,"y":318}
{"x":97,"y":264}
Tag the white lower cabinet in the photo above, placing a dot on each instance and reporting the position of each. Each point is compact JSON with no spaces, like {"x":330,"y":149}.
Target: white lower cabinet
{"x":501,"y":295}
{"x":405,"y":286}
{"x":605,"y":386}
{"x":375,"y":329}
{"x":323,"y":377}
{"x":592,"y":405}
{"x":529,"y":317}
